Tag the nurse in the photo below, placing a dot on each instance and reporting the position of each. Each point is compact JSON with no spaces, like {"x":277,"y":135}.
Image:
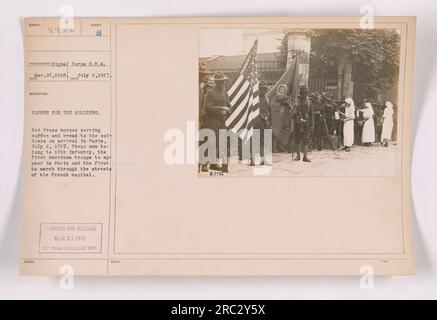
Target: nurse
{"x":368,"y":137}
{"x":348,"y":124}
{"x":387,"y":124}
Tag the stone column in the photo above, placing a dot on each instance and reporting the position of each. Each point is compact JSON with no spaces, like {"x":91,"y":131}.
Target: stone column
{"x":299,"y":41}
{"x":340,"y":71}
{"x":348,"y":84}
{"x":345,"y":84}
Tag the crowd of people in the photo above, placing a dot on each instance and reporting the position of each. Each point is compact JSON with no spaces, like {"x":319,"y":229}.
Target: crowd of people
{"x":347,"y":123}
{"x":313,"y":121}
{"x":318,"y":120}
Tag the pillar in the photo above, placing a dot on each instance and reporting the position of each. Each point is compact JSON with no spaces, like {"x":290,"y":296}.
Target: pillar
{"x":299,"y":41}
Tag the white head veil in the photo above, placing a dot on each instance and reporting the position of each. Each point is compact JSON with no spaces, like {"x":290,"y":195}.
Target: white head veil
{"x":369,"y":108}
{"x":389,"y":104}
{"x":350,"y":101}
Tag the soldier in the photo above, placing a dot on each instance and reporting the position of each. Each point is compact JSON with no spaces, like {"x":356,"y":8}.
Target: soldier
{"x":328,"y":108}
{"x":205,"y":88}
{"x":205,"y":84}
{"x":281,"y":120}
{"x":340,"y":110}
{"x":304,"y":123}
{"x":217,"y":109}
{"x":359,"y":122}
{"x":319,"y":125}
{"x":313,"y":100}
{"x":263,"y":120}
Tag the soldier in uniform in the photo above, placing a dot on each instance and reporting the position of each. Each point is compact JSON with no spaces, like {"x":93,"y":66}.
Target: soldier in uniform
{"x":205,"y":84}
{"x":304,"y":123}
{"x":328,"y":109}
{"x":264,"y":119}
{"x":341,"y":108}
{"x":359,"y":122}
{"x":281,"y":120}
{"x":217,"y":109}
{"x":319,"y":125}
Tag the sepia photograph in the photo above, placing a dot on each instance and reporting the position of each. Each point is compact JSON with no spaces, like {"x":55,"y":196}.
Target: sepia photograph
{"x":298,"y":102}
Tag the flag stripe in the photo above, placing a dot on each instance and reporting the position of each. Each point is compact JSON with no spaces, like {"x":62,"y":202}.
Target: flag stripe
{"x":244,"y":97}
{"x":235,"y":85}
{"x":239,"y":109}
{"x":239,"y":93}
{"x":253,"y":115}
{"x":249,"y":134}
{"x":243,"y":118}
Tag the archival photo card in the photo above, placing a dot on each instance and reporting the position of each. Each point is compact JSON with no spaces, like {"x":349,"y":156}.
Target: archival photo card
{"x":220,"y":146}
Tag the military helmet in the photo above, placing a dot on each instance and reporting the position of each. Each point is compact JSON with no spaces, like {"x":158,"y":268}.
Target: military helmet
{"x":220,"y":76}
{"x":303,"y":88}
{"x":263,"y":84}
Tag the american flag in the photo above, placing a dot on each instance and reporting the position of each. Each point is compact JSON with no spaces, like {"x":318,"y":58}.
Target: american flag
{"x":244,"y":97}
